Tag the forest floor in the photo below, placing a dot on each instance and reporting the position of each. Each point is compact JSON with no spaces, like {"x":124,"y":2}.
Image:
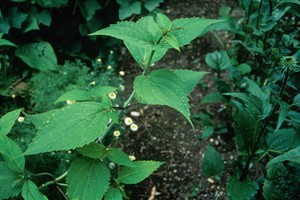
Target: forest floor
{"x":164,"y":135}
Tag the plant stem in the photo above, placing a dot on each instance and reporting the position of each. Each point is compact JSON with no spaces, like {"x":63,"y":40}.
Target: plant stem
{"x":54,"y":181}
{"x":262,"y":130}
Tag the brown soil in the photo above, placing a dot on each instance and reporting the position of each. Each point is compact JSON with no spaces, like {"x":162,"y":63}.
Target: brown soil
{"x":164,"y":135}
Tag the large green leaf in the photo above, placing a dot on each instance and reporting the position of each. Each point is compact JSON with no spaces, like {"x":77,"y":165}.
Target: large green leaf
{"x":39,"y":55}
{"x":8,"y":120}
{"x":218,"y":60}
{"x":140,"y":171}
{"x":241,"y":190}
{"x":88,"y":8}
{"x":93,"y":150}
{"x":31,"y":192}
{"x":39,"y":120}
{"x":189,"y":78}
{"x":292,"y":155}
{"x":10,"y":182}
{"x":72,"y":126}
{"x":129,"y":8}
{"x":12,"y":154}
{"x":212,"y":163}
{"x":119,"y":157}
{"x":113,"y":194}
{"x":87,"y":179}
{"x":187,"y":29}
{"x":78,"y":95}
{"x":281,"y":140}
{"x":296,"y":100}
{"x":284,"y":109}
{"x":163,"y":87}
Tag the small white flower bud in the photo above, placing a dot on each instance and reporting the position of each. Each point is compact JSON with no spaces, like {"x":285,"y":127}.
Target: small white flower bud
{"x":21,"y":119}
{"x":117,"y":134}
{"x":112,"y":95}
{"x":99,"y":60}
{"x":135,"y":114}
{"x":69,"y":102}
{"x":111,"y":165}
{"x":122,"y":73}
{"x":93,"y":83}
{"x":128,"y":121}
{"x":109,"y":67}
{"x":134,"y":127}
{"x":132,"y":157}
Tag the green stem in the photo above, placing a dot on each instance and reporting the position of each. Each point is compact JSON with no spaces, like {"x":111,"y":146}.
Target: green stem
{"x":262,"y":131}
{"x":54,"y":181}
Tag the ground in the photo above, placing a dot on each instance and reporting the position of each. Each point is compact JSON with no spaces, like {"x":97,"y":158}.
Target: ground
{"x":164,"y":135}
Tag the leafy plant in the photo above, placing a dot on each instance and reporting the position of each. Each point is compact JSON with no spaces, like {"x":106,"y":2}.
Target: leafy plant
{"x":91,"y":115}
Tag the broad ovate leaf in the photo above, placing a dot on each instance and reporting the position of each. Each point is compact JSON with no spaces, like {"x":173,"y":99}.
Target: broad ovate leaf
{"x":12,"y":154}
{"x":93,"y":150}
{"x":212,"y":163}
{"x":187,"y":29}
{"x":241,"y":190}
{"x":72,"y":126}
{"x":31,"y":192}
{"x":87,"y":179}
{"x":137,"y":173}
{"x":119,"y":157}
{"x":292,"y":155}
{"x":8,"y":120}
{"x":10,"y":182}
{"x":113,"y":194}
{"x":218,"y":60}
{"x":77,"y":95}
{"x":39,"y":55}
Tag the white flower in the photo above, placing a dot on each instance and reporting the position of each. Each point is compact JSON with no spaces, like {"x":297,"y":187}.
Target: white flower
{"x":128,"y":121}
{"x":117,"y":134}
{"x":69,"y":102}
{"x":134,"y":127}
{"x":21,"y":119}
{"x":99,"y":60}
{"x":111,"y":52}
{"x":122,"y":73}
{"x":112,"y":95}
{"x":135,"y":114}
{"x":109,"y":67}
{"x":69,"y":151}
{"x":13,"y":96}
{"x":132,"y":157}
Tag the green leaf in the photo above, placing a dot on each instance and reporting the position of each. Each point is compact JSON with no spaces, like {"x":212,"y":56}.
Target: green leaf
{"x":207,"y":132}
{"x":16,"y":18}
{"x":140,"y":38}
{"x":171,"y":40}
{"x":292,"y":155}
{"x":244,"y":68}
{"x":187,"y":29}
{"x":163,"y":87}
{"x":113,"y":194}
{"x":12,"y":154}
{"x":4,"y":42}
{"x":10,"y":182}
{"x":237,"y":190}
{"x":93,"y":150}
{"x":212,"y":163}
{"x":119,"y":157}
{"x":42,"y":119}
{"x":77,"y":95}
{"x":31,"y":192}
{"x":38,"y":55}
{"x":213,"y":97}
{"x":72,"y":126}
{"x":296,"y":100}
{"x":52,"y":3}
{"x":44,"y":17}
{"x":164,"y":23}
{"x":189,"y":78}
{"x":87,"y":179}
{"x":129,"y":8}
{"x":140,"y":171}
{"x":284,"y":109}
{"x":281,"y":140}
{"x":8,"y":120}
{"x":218,"y":60}
{"x":150,"y":5}
{"x":88,"y":8}
{"x":100,"y":91}
{"x":31,"y":24}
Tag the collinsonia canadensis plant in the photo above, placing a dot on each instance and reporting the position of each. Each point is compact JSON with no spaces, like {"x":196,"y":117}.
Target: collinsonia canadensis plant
{"x":91,"y":117}
{"x":261,"y":101}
